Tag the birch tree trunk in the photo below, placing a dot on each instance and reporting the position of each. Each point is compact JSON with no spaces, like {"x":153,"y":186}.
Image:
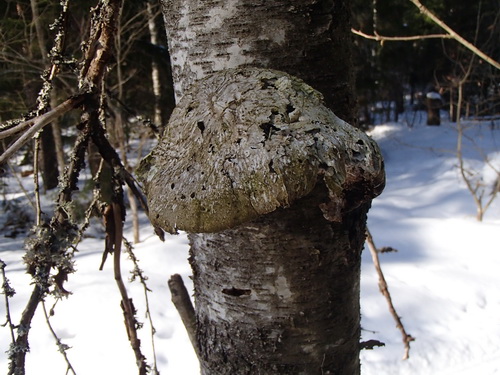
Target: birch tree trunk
{"x":276,"y":294}
{"x":310,"y":39}
{"x":155,"y":72}
{"x":280,"y":295}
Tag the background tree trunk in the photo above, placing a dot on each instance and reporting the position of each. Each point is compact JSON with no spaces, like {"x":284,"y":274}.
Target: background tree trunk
{"x":50,"y":145}
{"x":155,"y":72}
{"x":50,"y":171}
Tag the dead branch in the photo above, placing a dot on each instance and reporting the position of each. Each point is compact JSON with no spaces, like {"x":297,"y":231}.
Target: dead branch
{"x":62,"y":347}
{"x":36,"y":181}
{"x":426,"y":12}
{"x":36,"y":124}
{"x":8,"y":292}
{"x":59,"y":225}
{"x":184,"y":306}
{"x":100,"y":46}
{"x":383,"y":38}
{"x":138,"y":272}
{"x":451,"y":34}
{"x":109,"y":154}
{"x":407,"y":338}
{"x":126,"y":304}
{"x":55,"y":238}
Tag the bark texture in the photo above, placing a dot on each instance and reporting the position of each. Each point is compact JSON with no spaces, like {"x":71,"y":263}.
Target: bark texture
{"x":280,"y":295}
{"x":310,"y":39}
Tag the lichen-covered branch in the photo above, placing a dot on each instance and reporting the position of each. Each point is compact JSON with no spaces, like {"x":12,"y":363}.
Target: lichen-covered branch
{"x":126,"y":304}
{"x":8,"y":292}
{"x":47,"y":249}
{"x":62,"y":347}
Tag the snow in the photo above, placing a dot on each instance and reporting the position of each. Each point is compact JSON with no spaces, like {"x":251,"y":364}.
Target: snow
{"x":433,"y":95}
{"x":444,"y":278}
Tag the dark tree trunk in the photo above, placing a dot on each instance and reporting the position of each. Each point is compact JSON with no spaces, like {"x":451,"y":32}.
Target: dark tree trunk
{"x":280,"y":295}
{"x":50,"y":170}
{"x":433,"y":111}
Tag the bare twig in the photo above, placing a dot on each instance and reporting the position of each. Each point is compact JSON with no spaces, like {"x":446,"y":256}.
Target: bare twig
{"x":477,"y":196}
{"x":36,"y":181}
{"x":8,"y":292}
{"x":383,"y":38}
{"x":40,"y":270}
{"x":407,"y":338}
{"x":62,"y":347}
{"x":14,"y":127}
{"x":38,"y":123}
{"x":21,"y":186}
{"x":184,"y":306}
{"x":426,"y":12}
{"x":451,"y":34}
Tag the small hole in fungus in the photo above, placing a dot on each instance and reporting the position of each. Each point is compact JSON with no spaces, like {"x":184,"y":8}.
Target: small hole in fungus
{"x":357,"y":155}
{"x":267,"y":82}
{"x":192,"y":195}
{"x":268,"y":129}
{"x":201,"y":126}
{"x":183,"y":196}
{"x":172,"y":186}
{"x":360,"y":142}
{"x":271,"y":169}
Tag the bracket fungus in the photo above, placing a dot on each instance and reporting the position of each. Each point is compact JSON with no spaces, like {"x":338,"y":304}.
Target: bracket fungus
{"x":245,"y":142}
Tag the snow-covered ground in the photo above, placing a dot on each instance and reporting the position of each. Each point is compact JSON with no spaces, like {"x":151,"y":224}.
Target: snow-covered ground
{"x":444,"y":279}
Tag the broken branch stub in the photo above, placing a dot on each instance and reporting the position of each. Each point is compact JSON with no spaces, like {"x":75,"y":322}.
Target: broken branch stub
{"x":244,"y":142}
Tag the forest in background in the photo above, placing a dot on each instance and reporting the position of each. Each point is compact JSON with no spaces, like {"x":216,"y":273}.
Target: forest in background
{"x":139,"y":97}
{"x":386,"y":70}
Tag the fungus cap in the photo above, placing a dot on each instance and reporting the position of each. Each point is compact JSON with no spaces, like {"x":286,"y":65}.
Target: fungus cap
{"x":244,"y":142}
